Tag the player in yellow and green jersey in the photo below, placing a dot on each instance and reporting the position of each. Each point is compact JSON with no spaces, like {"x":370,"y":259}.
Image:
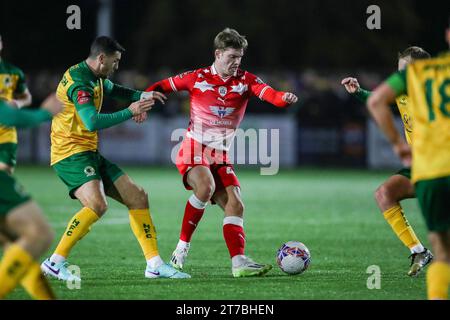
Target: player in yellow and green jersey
{"x":88,"y":175}
{"x":13,"y":90}
{"x":427,"y":84}
{"x":399,"y":186}
{"x":22,"y":224}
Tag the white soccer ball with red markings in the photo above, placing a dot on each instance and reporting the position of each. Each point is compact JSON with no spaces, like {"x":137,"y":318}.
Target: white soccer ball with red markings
{"x":293,"y":257}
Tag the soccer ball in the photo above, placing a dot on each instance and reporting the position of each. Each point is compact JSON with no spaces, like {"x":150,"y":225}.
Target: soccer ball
{"x":293,"y":257}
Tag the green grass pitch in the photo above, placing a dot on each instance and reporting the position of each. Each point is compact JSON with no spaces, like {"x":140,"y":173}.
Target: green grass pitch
{"x":331,"y":211}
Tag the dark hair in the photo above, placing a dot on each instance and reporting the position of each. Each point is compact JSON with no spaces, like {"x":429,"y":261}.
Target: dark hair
{"x":230,"y":38}
{"x":414,"y":53}
{"x":105,"y":45}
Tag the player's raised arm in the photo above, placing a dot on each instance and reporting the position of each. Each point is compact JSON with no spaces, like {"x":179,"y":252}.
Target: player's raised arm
{"x":29,"y":118}
{"x":352,"y":86}
{"x":378,"y":105}
{"x":279,"y":98}
{"x":265,"y":92}
{"x":119,"y":92}
{"x":182,"y":82}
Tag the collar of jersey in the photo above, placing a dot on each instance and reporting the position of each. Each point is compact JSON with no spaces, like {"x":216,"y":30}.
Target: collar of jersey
{"x":215,"y":73}
{"x":89,"y":72}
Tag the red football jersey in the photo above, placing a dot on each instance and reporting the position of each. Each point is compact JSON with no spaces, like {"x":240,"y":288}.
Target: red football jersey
{"x":217,"y":105}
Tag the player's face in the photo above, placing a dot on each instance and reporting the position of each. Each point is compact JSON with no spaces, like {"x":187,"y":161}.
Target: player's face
{"x":229,"y":60}
{"x":402,"y":63}
{"x":109,"y":64}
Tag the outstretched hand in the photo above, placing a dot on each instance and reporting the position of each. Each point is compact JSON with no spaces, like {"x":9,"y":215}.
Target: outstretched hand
{"x":290,"y":98}
{"x":141,"y":106}
{"x":140,"y":118}
{"x":154,"y":95}
{"x":350,"y":84}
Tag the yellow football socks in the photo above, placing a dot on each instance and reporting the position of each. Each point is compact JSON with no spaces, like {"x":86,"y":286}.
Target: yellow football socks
{"x":36,"y":284}
{"x":438,"y":280}
{"x":13,"y":267}
{"x":142,"y":225}
{"x":397,"y":220}
{"x":77,"y":228}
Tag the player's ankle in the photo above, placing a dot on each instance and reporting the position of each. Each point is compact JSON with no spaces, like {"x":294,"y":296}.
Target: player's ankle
{"x":56,"y":258}
{"x":155,"y":262}
{"x":238,"y":260}
{"x":183,"y":245}
{"x":418,"y":248}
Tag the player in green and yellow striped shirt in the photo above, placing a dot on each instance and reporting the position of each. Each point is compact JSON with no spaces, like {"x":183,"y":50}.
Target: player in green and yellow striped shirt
{"x":13,"y":90}
{"x":23,"y":229}
{"x":427,"y":84}
{"x":90,"y":177}
{"x":399,"y":186}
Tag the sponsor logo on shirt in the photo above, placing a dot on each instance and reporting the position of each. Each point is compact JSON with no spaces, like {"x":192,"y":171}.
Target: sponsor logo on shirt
{"x":83,"y":97}
{"x":221,"y":111}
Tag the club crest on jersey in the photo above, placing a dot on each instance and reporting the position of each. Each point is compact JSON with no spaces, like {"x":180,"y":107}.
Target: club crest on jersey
{"x":7,"y":82}
{"x":83,"y":97}
{"x":223,"y":91}
{"x":221,"y":111}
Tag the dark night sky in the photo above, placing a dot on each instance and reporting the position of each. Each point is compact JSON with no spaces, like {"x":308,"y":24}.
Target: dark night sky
{"x":178,"y":34}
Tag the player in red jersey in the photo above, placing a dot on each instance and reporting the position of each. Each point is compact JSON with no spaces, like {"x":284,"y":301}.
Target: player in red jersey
{"x":218,"y":96}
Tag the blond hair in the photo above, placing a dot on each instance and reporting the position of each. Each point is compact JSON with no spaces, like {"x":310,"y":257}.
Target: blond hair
{"x":230,"y":38}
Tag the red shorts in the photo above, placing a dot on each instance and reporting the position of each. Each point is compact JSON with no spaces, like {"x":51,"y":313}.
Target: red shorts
{"x":193,"y":153}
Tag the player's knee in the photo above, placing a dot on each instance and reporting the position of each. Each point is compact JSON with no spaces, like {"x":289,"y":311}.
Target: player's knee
{"x":205,"y":190}
{"x":384,"y":196}
{"x":99,"y":206}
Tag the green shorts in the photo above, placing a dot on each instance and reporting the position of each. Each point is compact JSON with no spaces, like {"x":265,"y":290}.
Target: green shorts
{"x":406,"y":172}
{"x":83,"y":167}
{"x":12,"y":194}
{"x":434,"y":201}
{"x":8,"y":152}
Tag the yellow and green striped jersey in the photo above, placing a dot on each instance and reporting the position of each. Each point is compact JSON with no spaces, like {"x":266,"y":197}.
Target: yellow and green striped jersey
{"x":68,"y":134}
{"x":74,"y":130}
{"x":427,"y":83}
{"x":12,"y":81}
